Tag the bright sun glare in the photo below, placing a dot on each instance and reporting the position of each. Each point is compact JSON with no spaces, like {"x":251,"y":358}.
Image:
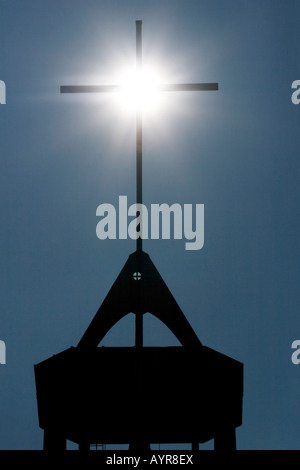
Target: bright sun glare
{"x":139,"y":89}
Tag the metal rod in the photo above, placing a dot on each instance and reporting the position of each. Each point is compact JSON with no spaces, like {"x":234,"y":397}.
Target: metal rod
{"x":139,"y":180}
{"x":188,"y":87}
{"x":89,"y":88}
{"x":116,"y":88}
{"x":139,"y":134}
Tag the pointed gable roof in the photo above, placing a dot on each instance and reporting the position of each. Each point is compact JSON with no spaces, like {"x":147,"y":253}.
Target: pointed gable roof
{"x":139,"y":288}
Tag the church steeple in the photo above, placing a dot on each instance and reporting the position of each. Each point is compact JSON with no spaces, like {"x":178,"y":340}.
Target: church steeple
{"x":139,"y":288}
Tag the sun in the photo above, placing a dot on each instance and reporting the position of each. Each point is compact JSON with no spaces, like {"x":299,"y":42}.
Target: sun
{"x":138,"y":90}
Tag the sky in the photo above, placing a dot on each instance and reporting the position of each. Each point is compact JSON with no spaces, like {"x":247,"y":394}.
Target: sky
{"x":235,"y":150}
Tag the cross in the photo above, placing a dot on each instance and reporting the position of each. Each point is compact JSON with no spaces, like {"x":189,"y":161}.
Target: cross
{"x":137,"y":276}
{"x":116,"y":88}
{"x":139,"y":136}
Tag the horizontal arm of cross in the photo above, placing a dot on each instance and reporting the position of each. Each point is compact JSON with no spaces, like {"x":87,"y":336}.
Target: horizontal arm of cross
{"x":116,"y":88}
{"x":189,"y":87}
{"x":89,"y":88}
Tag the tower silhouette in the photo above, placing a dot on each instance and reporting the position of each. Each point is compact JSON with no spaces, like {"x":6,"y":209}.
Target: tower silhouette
{"x":139,"y":395}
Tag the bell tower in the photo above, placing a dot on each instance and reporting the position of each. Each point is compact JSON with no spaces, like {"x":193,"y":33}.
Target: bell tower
{"x":139,"y":395}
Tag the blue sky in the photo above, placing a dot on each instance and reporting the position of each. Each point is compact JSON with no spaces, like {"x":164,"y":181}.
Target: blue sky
{"x":236,"y":151}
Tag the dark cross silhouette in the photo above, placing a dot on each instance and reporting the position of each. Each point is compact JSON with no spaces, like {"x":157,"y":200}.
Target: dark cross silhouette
{"x":116,"y":88}
{"x":139,"y":134}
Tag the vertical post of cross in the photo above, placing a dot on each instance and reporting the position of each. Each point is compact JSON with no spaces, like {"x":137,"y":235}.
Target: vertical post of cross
{"x":139,"y":181}
{"x":139,"y":136}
